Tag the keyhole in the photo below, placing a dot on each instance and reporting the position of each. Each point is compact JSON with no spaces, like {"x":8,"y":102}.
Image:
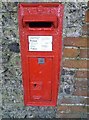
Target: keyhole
{"x":35,"y":85}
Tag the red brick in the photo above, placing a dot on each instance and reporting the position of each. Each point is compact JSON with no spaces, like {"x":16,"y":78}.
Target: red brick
{"x":87,"y":99}
{"x":70,"y":52}
{"x":87,"y":16}
{"x":72,"y":109}
{"x":85,"y":28}
{"x":76,"y":41}
{"x":88,"y":3}
{"x":71,"y":116}
{"x":84,"y":53}
{"x":74,"y":100}
{"x":82,"y":74}
{"x":75,"y":63}
{"x":81,"y":92}
{"x":81,"y":83}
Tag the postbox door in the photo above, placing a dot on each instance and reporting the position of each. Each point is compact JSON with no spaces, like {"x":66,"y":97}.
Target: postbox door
{"x":40,"y":79}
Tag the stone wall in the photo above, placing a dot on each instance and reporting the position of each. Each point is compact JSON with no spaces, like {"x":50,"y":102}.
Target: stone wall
{"x":72,"y":97}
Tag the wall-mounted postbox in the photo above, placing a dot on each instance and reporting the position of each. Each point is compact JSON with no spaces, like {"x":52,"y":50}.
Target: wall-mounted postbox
{"x":40,"y":29}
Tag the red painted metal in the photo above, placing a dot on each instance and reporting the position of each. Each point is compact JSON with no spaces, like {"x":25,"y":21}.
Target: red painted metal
{"x":40,"y":69}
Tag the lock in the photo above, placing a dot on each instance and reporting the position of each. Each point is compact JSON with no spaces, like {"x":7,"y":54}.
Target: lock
{"x":41,"y":60}
{"x":41,"y":51}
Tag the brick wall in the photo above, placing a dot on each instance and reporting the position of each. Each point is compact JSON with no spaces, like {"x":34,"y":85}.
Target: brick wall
{"x":73,"y":93}
{"x":76,"y":60}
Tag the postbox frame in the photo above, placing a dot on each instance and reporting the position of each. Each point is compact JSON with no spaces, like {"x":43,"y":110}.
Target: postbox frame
{"x":56,"y":55}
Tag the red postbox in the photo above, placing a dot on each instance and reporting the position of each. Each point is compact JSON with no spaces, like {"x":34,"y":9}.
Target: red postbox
{"x":40,"y":29}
